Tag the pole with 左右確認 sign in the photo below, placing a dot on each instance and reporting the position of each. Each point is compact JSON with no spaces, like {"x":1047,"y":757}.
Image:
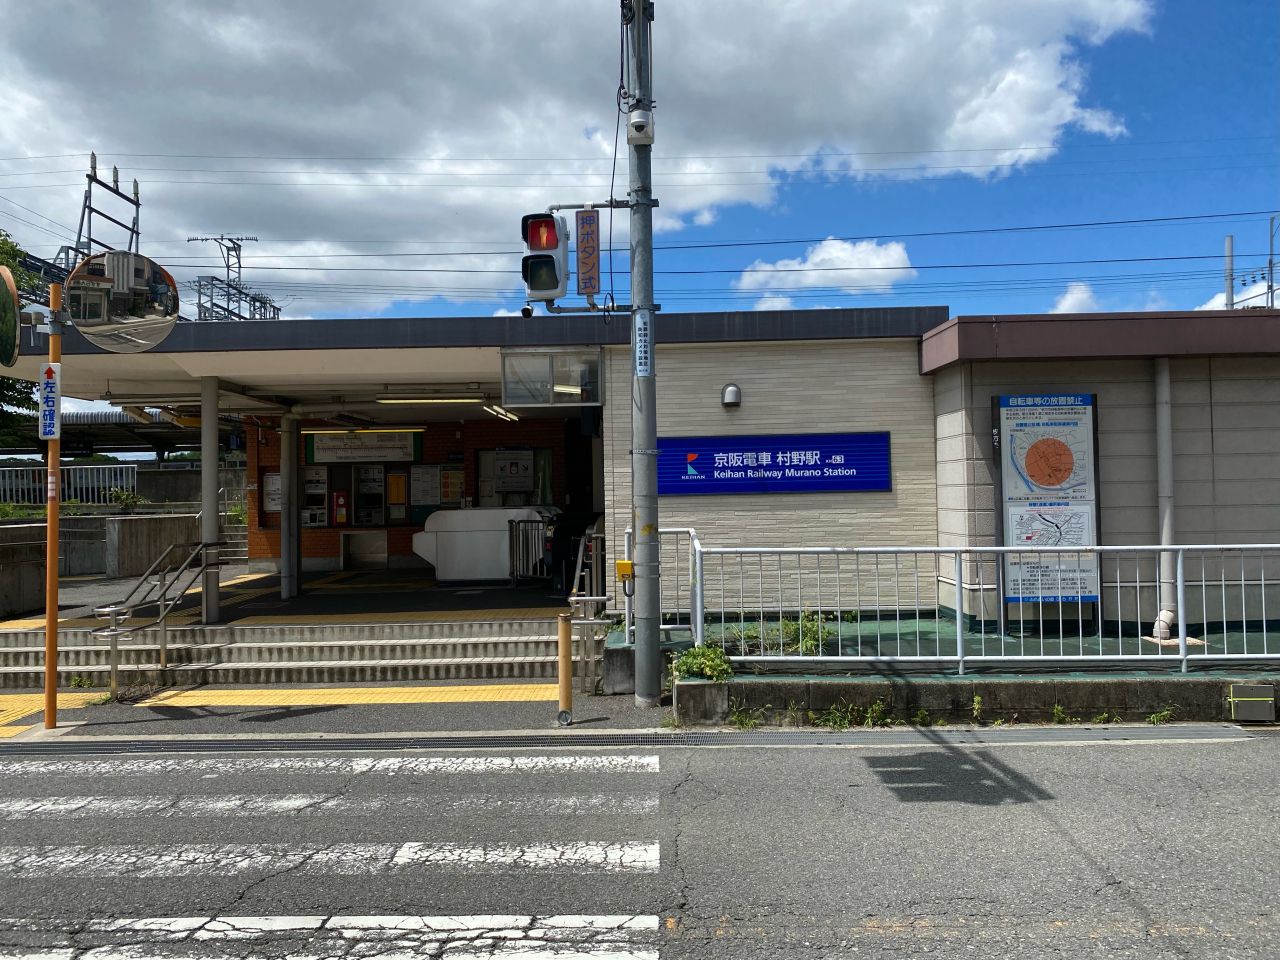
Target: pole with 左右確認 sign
{"x":794,"y":463}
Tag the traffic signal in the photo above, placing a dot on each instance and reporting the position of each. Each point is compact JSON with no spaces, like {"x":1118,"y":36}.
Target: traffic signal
{"x":545,"y":267}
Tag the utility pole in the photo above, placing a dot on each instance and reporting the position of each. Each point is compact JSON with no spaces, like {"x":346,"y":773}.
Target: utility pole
{"x":1229,"y":271}
{"x":637,"y":15}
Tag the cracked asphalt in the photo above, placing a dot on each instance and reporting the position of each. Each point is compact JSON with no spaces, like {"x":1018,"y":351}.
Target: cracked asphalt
{"x":1155,"y":849}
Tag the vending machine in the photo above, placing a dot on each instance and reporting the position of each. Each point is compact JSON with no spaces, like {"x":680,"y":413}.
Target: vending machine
{"x":315,"y":497}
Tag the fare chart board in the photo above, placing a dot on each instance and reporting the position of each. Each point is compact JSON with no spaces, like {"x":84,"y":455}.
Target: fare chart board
{"x":1048,"y":476}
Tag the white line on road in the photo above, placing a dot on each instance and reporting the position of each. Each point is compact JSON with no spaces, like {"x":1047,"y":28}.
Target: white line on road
{"x":347,"y":859}
{"x":565,"y":937}
{"x":306,"y":804}
{"x":390,"y":766}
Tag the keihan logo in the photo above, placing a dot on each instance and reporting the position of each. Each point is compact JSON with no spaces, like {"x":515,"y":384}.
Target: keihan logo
{"x":690,"y":457}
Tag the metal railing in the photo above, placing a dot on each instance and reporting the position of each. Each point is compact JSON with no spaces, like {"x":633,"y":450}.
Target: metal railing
{"x":1092,"y":604}
{"x":86,"y":484}
{"x":676,"y":560}
{"x":588,"y":572}
{"x":525,"y":539}
{"x":171,"y":583}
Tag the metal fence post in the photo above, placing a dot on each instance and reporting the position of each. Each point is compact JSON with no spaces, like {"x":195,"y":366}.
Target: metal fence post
{"x":960,"y":610}
{"x":164,"y":622}
{"x":699,"y":599}
{"x":1182,"y":611}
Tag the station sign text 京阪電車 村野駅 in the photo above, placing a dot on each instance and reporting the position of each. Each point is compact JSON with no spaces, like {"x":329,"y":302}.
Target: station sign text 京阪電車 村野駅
{"x":798,"y":463}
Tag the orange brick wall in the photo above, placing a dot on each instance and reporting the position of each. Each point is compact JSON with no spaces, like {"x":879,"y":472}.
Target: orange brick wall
{"x":439,"y":441}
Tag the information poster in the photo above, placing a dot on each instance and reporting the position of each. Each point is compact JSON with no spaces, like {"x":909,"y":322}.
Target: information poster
{"x":451,"y":481}
{"x":514,"y":471}
{"x":424,"y":485}
{"x":1049,"y":496}
{"x":271,"y":493}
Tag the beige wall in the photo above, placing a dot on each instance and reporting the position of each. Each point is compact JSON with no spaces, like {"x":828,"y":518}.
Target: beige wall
{"x":1226,"y":445}
{"x":826,"y":386}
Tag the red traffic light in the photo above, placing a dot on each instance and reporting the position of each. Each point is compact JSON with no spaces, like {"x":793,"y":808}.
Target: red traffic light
{"x":540,"y":231}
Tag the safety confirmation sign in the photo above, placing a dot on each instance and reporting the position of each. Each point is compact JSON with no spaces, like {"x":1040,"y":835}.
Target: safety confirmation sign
{"x":51,"y":401}
{"x":1048,"y":480}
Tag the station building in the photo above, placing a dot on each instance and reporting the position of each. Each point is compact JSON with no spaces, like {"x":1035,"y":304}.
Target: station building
{"x":363,"y":428}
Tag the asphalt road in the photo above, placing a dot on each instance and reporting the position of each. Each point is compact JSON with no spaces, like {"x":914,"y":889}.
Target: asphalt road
{"x":1158,"y":848}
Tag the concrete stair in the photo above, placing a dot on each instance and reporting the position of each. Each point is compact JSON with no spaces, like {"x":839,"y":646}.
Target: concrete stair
{"x":237,"y":548}
{"x":517,"y":649}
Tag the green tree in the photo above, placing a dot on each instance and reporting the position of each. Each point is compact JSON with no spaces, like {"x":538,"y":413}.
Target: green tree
{"x":17,"y":397}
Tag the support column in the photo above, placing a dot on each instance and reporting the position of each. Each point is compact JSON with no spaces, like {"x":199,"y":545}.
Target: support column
{"x":210,"y":517}
{"x":1164,"y":498}
{"x":289,"y":506}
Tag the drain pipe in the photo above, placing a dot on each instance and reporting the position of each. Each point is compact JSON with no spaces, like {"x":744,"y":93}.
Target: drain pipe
{"x":1164,"y":625}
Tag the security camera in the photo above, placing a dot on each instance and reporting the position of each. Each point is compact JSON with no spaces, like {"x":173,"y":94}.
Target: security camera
{"x":526,"y":311}
{"x":640,"y":127}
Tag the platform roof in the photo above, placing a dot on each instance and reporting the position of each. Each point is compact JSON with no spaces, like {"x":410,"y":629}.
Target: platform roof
{"x":1064,"y":336}
{"x":266,"y":365}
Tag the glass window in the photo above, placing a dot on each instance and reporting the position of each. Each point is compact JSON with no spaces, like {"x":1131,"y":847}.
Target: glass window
{"x":576,"y":378}
{"x":526,"y":379}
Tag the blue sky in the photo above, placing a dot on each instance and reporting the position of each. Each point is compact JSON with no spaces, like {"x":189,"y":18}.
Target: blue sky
{"x":354,"y":151}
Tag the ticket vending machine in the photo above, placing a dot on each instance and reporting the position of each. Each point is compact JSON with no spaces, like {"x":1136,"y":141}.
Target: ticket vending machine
{"x":315,"y":497}
{"x":370,"y":496}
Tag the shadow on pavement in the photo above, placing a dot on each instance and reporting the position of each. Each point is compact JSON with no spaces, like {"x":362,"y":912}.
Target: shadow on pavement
{"x":950,"y":774}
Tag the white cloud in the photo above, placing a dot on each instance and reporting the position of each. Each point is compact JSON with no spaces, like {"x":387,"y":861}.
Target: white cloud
{"x":1253,"y":295}
{"x":834,"y":89}
{"x":774,"y":303}
{"x":863,"y":267}
{"x":72,"y":405}
{"x":1078,"y":298}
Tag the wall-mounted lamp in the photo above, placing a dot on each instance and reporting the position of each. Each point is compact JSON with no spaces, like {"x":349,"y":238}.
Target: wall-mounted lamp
{"x":731,"y":395}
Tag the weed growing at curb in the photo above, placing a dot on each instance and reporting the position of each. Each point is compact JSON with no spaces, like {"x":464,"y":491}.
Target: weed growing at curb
{"x":703,"y":663}
{"x":1167,"y":715}
{"x":922,"y":719}
{"x":837,"y":717}
{"x":977,"y":709}
{"x":795,"y":716}
{"x":1061,"y":716}
{"x":1105,"y":717}
{"x":671,"y":722}
{"x":878,"y":715}
{"x":744,"y":717}
{"x":81,"y":682}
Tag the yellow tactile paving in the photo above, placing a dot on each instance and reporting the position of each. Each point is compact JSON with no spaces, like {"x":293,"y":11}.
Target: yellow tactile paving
{"x":353,"y":696}
{"x":15,"y":706}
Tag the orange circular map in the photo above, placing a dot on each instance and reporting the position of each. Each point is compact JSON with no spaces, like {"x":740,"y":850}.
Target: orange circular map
{"x":1049,"y":462}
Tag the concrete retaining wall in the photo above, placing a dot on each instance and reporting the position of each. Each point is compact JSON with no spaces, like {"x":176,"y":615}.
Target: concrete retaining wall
{"x":1133,"y":698}
{"x":133,"y":543}
{"x":21,"y":568}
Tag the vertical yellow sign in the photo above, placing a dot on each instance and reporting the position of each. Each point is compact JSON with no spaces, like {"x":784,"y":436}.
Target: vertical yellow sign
{"x":588,"y":224}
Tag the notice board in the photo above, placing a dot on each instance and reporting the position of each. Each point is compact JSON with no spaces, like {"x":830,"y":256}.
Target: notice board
{"x":1045,"y":447}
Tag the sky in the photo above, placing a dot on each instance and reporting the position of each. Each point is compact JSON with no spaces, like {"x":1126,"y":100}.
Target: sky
{"x":809,"y":153}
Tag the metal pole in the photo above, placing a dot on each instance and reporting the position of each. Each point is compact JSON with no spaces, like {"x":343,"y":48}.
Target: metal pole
{"x":564,"y":648}
{"x":209,"y":519}
{"x":1182,"y":611}
{"x":164,"y":621}
{"x":53,"y":492}
{"x":1271,"y":265}
{"x":289,"y":506}
{"x":1164,"y":490}
{"x":959,"y":609}
{"x":1229,"y":273}
{"x":644,"y":415}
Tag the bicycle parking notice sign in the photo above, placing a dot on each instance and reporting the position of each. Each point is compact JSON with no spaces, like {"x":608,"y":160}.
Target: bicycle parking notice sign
{"x":1048,"y":483}
{"x":51,"y":401}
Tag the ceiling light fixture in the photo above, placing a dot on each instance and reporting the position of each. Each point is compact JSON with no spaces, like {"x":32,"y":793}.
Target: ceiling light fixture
{"x":404,"y":399}
{"x":313,"y":430}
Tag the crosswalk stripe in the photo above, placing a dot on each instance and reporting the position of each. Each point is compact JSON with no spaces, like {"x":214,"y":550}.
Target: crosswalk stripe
{"x":391,"y":766}
{"x":303,"y":804}
{"x":564,"y":937}
{"x":347,"y":859}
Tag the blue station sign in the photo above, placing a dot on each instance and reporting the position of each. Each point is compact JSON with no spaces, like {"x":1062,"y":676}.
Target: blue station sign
{"x":800,"y":463}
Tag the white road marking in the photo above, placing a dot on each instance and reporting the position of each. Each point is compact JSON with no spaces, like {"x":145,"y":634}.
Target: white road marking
{"x":566,"y":937}
{"x":348,"y":859}
{"x":390,"y":766}
{"x":307,"y":804}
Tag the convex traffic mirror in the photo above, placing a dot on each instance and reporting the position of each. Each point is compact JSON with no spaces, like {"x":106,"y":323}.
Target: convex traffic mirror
{"x":122,"y":301}
{"x":9,"y":318}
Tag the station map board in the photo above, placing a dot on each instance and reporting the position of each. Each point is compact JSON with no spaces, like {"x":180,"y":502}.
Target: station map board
{"x":1048,"y":478}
